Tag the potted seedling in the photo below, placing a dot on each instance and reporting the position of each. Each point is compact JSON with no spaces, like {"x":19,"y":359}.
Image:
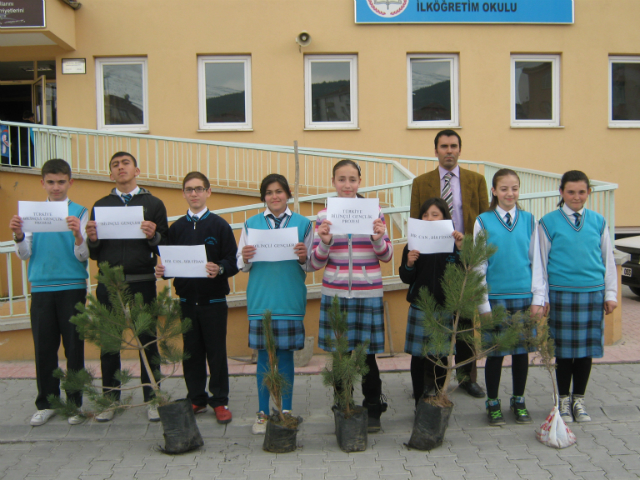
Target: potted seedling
{"x":343,"y":370}
{"x":282,"y":428}
{"x":464,"y":292}
{"x":119,"y":328}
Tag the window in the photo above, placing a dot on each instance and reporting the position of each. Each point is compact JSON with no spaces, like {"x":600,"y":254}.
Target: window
{"x":224,"y":93}
{"x":121,"y":87}
{"x":432,"y":90}
{"x":535,"y":90}
{"x":624,"y":92}
{"x":331,"y":91}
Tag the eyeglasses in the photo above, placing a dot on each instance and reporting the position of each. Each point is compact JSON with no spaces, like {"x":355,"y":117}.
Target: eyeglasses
{"x":189,"y":190}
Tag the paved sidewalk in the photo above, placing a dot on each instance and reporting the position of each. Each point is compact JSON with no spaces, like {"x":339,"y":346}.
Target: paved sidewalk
{"x":127,"y":448}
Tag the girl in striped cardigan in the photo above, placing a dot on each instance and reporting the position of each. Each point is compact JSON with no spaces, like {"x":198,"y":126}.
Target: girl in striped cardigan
{"x":352,"y":272}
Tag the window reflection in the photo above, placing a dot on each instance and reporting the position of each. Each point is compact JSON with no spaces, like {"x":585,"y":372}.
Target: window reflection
{"x":225,"y":92}
{"x":331,"y":91}
{"x":625,"y":91}
{"x":123,"y":94}
{"x":431,"y":90}
{"x":534,"y":90}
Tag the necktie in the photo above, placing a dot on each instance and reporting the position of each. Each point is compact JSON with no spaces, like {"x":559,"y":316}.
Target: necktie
{"x":447,"y":194}
{"x":507,"y":219}
{"x":126,"y":197}
{"x":577,"y":215}
{"x":277,"y":221}
{"x":195,"y":219}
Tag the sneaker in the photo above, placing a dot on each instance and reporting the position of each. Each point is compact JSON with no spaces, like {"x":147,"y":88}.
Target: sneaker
{"x":494,"y":412}
{"x":565,"y":409}
{"x":260,"y":425}
{"x":520,"y":410}
{"x":199,"y":409}
{"x":42,"y":416}
{"x":105,"y":416}
{"x":223,"y":414}
{"x":579,"y":412}
{"x":152,"y":413}
{"x":76,"y":420}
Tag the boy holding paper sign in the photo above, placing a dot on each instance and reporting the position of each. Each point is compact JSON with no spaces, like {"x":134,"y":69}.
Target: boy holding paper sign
{"x":136,"y":256}
{"x":203,"y":300}
{"x":58,"y":276}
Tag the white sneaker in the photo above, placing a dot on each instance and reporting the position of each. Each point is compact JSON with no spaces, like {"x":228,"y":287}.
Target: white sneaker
{"x":105,"y":416}
{"x":565,"y":409}
{"x":42,"y":416}
{"x":152,"y":413}
{"x":76,"y":420}
{"x":579,"y":411}
{"x":260,"y":425}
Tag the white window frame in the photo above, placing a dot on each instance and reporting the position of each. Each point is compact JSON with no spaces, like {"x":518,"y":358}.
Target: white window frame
{"x":455,"y":91}
{"x":309,"y":124}
{"x":202,"y":93}
{"x":555,"y":94}
{"x":619,"y":123}
{"x":100,"y":62}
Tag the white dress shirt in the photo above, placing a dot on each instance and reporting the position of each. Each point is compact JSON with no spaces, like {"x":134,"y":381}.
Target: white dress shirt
{"x":456,"y":214}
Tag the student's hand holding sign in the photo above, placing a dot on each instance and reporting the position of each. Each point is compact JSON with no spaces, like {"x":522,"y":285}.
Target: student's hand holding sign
{"x":149,"y":229}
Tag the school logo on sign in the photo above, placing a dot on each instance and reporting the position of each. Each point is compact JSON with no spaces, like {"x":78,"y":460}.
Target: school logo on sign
{"x":387,"y":8}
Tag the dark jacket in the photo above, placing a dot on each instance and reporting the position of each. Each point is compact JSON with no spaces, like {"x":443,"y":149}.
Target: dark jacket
{"x":427,"y":271}
{"x":137,"y":256}
{"x":217,"y":237}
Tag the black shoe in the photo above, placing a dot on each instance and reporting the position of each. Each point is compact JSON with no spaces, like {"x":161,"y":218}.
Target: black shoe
{"x":519,"y":409}
{"x":374,"y":411}
{"x":472,"y":389}
{"x":495,"y":414}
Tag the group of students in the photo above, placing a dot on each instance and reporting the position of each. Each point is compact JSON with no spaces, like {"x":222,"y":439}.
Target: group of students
{"x":563,"y":266}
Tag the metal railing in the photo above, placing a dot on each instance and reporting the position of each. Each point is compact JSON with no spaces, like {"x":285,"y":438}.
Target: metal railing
{"x":242,"y":166}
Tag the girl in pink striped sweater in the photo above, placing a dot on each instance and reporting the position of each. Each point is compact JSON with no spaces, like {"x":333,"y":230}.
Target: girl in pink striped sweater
{"x":352,"y":272}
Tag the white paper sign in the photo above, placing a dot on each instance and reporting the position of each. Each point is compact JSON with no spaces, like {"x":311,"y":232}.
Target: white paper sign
{"x":44,"y":216}
{"x":430,"y":237}
{"x":352,"y":215}
{"x":186,"y":261}
{"x":273,"y":245}
{"x":119,"y":222}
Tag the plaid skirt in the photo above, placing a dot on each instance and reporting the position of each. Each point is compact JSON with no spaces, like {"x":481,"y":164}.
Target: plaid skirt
{"x":365,"y":320}
{"x":576,"y":323}
{"x":415,"y":338}
{"x":289,"y":334}
{"x":512,"y":305}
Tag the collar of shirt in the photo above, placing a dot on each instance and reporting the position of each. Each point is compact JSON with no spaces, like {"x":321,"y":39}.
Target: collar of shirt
{"x":502,"y":212}
{"x":569,"y":213}
{"x":199,"y":214}
{"x":268,"y":212}
{"x":444,"y":171}
{"x":132,"y":192}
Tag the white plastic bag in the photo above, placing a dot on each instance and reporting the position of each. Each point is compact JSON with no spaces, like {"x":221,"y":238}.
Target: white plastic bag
{"x":554,"y":432}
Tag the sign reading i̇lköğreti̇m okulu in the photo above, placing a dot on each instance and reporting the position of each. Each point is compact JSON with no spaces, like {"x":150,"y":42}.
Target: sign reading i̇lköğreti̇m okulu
{"x":446,"y":11}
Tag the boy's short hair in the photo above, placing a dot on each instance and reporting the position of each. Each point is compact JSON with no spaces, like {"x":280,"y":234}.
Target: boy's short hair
{"x":197,"y":175}
{"x":56,"y":165}
{"x":123,"y":154}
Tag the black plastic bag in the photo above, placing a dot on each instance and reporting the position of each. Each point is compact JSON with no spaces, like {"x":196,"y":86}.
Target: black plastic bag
{"x":280,"y":439}
{"x":429,"y":426}
{"x":181,"y":432}
{"x":351,"y":432}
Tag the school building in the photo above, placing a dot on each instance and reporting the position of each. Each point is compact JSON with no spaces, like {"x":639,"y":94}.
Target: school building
{"x":548,"y":85}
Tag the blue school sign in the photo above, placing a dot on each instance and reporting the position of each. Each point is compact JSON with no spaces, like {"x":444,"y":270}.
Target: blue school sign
{"x":447,"y":11}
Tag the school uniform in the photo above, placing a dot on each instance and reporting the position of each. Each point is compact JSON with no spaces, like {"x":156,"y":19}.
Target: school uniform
{"x":203,"y":301}
{"x":58,"y":275}
{"x":277,"y":286}
{"x":577,"y":259}
{"x":514,"y":273}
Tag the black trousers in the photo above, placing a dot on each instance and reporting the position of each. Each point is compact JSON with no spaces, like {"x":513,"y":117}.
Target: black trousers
{"x":464,"y":352}
{"x":206,"y":343}
{"x":50,"y":314}
{"x":110,"y":362}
